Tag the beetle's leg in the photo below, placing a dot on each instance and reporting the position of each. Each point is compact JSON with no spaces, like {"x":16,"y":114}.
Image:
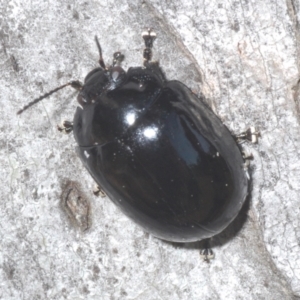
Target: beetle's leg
{"x":99,"y":192}
{"x":247,"y":158}
{"x":65,"y":127}
{"x":117,"y":58}
{"x":149,"y":37}
{"x":206,"y":253}
{"x":251,"y":134}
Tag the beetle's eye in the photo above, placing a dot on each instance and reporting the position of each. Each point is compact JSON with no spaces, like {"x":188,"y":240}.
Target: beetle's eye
{"x":117,"y":74}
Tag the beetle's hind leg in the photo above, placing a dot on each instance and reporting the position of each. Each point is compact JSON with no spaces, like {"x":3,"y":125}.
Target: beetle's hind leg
{"x":251,"y":135}
{"x":65,"y":127}
{"x":98,"y":191}
{"x":206,"y":253}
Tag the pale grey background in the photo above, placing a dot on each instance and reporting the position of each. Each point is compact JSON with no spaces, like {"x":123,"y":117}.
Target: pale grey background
{"x":242,"y":55}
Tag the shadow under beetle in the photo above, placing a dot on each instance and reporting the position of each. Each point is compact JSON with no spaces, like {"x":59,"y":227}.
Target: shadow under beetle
{"x":158,"y":152}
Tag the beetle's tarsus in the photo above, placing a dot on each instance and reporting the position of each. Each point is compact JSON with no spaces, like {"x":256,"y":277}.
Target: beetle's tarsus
{"x":97,"y":191}
{"x":149,"y":36}
{"x":206,"y":253}
{"x":247,"y":158}
{"x":251,"y":135}
{"x":247,"y":155}
{"x":65,"y":127}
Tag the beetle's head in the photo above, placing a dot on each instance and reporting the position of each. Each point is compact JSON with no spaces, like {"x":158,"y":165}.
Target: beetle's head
{"x":98,"y":80}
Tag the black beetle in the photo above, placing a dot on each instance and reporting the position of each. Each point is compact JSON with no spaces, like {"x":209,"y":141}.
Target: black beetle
{"x":159,"y":153}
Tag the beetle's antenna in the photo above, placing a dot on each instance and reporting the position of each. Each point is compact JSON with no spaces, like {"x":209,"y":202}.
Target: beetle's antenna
{"x":149,"y":36}
{"x":101,"y":61}
{"x":74,"y":84}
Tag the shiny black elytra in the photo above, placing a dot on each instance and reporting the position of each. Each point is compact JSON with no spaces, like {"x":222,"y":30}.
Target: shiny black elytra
{"x":158,"y":152}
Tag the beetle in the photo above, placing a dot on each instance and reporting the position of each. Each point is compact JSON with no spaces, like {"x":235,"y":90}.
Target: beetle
{"x":157,"y":150}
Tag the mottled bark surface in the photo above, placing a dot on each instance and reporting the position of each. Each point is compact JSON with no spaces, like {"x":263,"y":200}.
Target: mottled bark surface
{"x":243,"y":56}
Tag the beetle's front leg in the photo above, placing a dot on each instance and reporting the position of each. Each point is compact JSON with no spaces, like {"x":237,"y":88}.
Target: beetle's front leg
{"x":65,"y":127}
{"x":149,"y":36}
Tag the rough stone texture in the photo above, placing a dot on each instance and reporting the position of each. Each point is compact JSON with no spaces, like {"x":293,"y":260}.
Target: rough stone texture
{"x":243,"y":56}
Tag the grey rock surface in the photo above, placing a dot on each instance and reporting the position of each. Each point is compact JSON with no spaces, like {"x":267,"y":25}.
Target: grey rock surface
{"x":243,"y":56}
